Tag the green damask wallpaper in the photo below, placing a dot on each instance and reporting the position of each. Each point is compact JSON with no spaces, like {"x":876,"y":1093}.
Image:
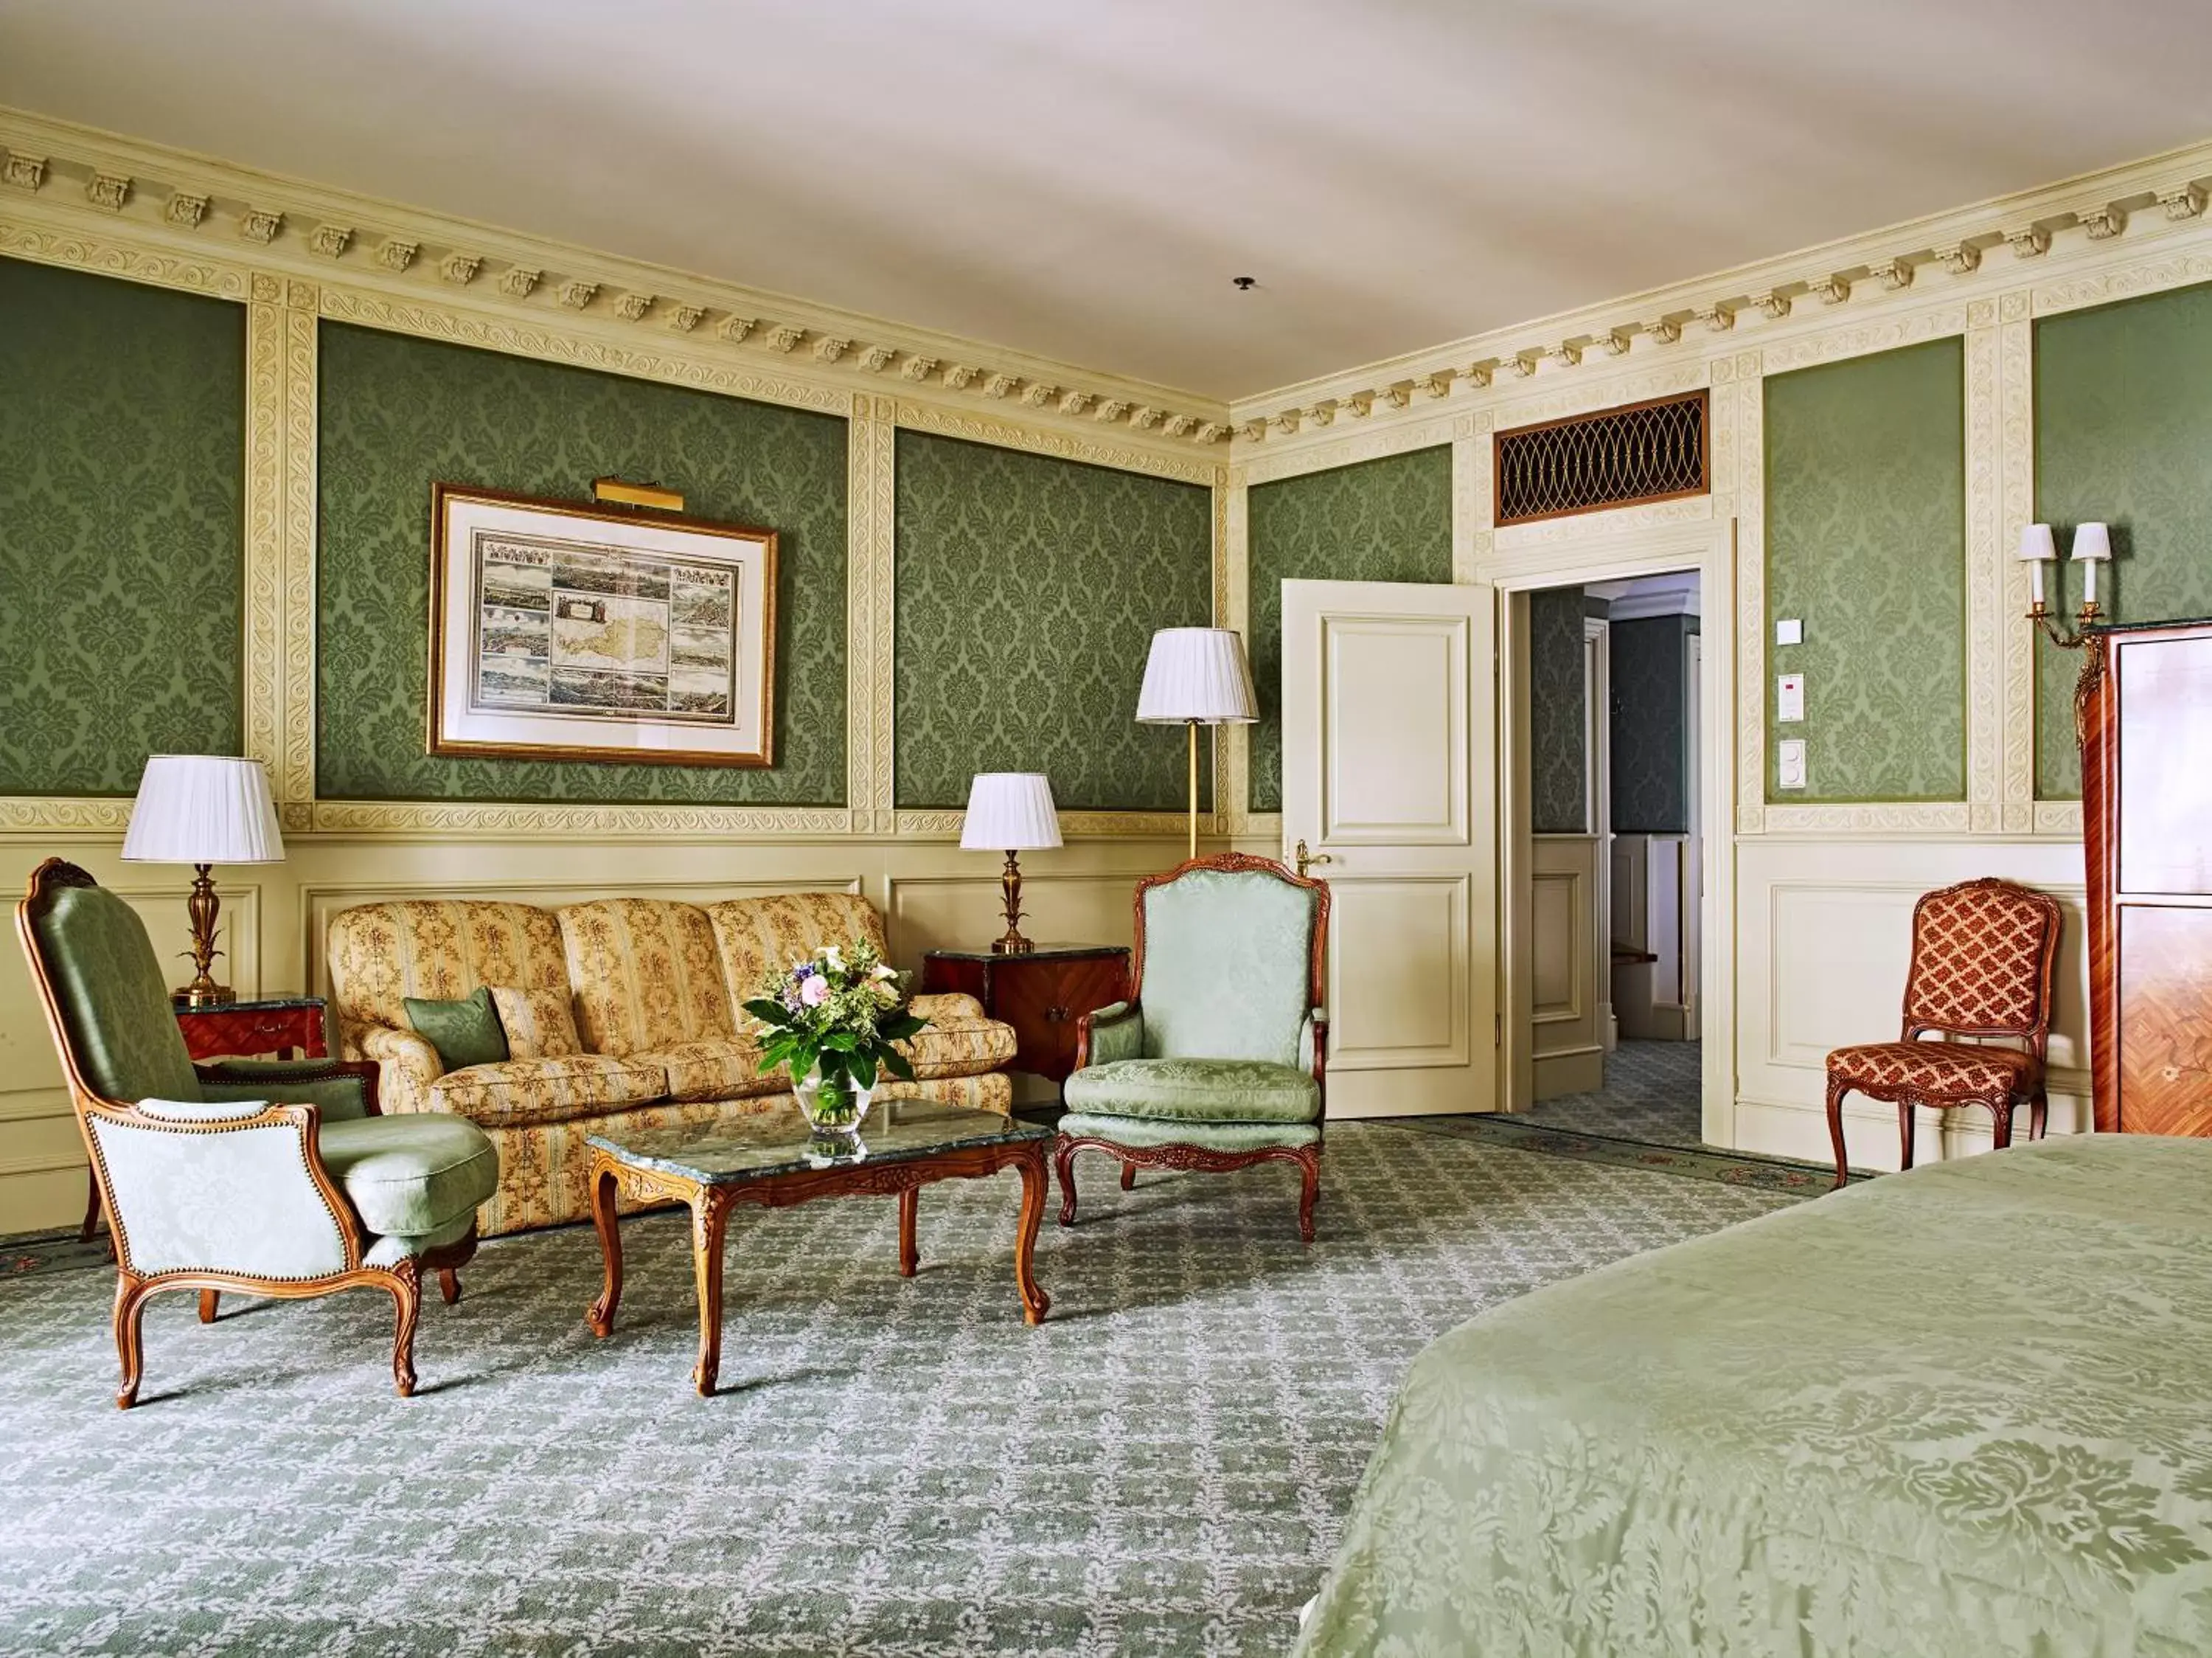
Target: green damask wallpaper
{"x":122,"y":526}
{"x":1866,"y":509}
{"x":1380,"y":520}
{"x":2124,"y":435}
{"x":1559,"y":764}
{"x":1028,"y":590}
{"x":1649,"y":737}
{"x":400,"y":414}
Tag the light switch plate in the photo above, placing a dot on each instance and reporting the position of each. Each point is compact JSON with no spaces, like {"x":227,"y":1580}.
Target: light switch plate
{"x":1790,"y":762}
{"x":1790,"y":698}
{"x":1791,"y":630}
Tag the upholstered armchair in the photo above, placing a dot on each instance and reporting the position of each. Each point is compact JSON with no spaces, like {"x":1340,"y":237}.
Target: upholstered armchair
{"x":1985,"y":955}
{"x":270,"y":1178}
{"x":1217,"y":1060}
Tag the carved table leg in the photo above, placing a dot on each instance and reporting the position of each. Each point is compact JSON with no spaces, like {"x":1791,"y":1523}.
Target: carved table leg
{"x":708,"y":1216}
{"x":601,"y":1317}
{"x":1035,"y":1185}
{"x":210,"y":1299}
{"x":909,"y":1254}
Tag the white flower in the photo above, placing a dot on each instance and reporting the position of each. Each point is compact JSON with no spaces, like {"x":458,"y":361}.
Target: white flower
{"x":832,"y":960}
{"x":883,"y":972}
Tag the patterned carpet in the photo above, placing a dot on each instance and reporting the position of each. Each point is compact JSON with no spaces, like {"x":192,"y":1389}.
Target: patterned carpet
{"x":896,"y":1468}
{"x":1650,"y":1094}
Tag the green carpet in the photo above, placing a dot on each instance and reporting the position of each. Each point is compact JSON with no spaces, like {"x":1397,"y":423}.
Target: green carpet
{"x":896,"y":1468}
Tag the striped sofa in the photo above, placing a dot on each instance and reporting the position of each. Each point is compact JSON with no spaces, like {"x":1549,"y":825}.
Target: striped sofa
{"x":656,"y":988}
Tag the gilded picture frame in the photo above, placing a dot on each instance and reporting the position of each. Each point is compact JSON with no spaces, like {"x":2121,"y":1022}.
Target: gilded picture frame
{"x":561,"y":629}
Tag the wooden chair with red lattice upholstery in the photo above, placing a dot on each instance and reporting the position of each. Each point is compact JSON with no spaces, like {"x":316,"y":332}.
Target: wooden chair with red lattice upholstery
{"x":1984,"y":954}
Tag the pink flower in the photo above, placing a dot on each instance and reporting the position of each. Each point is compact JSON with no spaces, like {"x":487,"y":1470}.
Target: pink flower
{"x":815,"y":991}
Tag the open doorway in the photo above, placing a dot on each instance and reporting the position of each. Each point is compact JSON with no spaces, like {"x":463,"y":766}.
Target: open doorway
{"x":1607,"y":762}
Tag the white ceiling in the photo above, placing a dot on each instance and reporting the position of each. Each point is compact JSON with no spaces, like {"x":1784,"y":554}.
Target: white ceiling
{"x":1083,"y":180}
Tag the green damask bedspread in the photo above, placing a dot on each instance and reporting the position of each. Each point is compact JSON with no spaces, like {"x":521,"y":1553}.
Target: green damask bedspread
{"x":1960,"y":1411}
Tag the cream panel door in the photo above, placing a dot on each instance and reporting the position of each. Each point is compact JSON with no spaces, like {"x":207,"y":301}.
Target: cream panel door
{"x":1388,"y":719}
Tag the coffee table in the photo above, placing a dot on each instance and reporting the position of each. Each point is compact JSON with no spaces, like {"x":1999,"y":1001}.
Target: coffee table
{"x":762,"y":1161}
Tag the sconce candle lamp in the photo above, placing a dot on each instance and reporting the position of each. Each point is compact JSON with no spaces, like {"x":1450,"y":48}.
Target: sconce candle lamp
{"x":2093,"y":546}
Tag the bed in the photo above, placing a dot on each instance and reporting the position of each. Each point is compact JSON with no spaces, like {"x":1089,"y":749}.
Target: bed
{"x":1962,"y":1411}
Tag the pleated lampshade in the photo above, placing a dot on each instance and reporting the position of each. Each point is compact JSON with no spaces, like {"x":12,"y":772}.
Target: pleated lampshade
{"x":203,"y":808}
{"x":1197,"y":674}
{"x":1010,"y":812}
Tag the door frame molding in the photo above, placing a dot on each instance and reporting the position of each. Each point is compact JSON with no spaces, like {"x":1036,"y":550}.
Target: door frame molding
{"x":1710,"y":548}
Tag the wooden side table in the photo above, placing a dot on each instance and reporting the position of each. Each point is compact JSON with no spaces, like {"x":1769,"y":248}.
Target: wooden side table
{"x":1041,"y":995}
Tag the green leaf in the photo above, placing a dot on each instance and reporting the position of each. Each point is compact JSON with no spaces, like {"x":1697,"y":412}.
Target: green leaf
{"x":843,"y":1041}
{"x":901,"y":1026}
{"x":864,"y":1070}
{"x":896,"y":1064}
{"x":773,"y":1012}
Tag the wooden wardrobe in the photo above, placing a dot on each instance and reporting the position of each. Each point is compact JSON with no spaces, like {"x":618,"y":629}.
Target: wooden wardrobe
{"x":2145,"y":711}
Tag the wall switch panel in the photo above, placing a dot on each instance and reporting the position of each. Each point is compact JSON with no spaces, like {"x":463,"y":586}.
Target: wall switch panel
{"x":1789,"y":764}
{"x":1790,"y":698}
{"x":1789,"y":631}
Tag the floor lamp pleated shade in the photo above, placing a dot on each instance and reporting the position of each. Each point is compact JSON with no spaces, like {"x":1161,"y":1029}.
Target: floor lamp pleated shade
{"x":1197,"y":676}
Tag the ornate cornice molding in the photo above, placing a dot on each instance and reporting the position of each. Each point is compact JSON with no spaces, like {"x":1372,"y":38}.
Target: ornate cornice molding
{"x":2073,"y":222}
{"x":159,"y":192}
{"x":1067,"y":446}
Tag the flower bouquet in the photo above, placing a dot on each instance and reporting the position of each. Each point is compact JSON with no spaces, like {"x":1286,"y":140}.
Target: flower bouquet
{"x":832,"y":1019}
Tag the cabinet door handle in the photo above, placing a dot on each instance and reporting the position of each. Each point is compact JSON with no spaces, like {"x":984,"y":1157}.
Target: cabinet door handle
{"x":1057,"y":1016}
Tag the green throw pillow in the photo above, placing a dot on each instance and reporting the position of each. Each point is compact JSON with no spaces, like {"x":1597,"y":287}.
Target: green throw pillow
{"x":465,"y":1033}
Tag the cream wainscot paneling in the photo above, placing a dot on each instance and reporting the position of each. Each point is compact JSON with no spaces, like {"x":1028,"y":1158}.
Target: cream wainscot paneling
{"x":293,"y":254}
{"x":1807,"y":918}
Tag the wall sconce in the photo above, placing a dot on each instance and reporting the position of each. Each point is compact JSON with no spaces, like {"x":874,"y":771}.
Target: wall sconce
{"x":2093,"y":546}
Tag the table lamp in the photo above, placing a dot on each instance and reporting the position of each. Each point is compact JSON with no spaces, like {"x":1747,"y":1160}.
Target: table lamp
{"x":1196,"y":676}
{"x":1010,"y":812}
{"x":203,"y":809}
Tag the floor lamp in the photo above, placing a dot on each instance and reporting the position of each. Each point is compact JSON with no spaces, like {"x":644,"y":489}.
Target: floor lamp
{"x":1196,"y":676}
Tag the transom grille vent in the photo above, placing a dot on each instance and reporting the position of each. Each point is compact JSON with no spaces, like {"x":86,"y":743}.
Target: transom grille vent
{"x":1642,"y":452}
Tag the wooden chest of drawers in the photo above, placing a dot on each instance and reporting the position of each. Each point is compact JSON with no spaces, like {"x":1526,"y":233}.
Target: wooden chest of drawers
{"x":1041,"y":995}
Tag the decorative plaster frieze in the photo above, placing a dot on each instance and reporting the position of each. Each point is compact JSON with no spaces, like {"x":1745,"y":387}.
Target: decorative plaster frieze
{"x":577,"y":295}
{"x":1566,"y":354}
{"x":2123,"y":282}
{"x":784,"y":338}
{"x":2028,"y":241}
{"x":1439,"y":384}
{"x":1961,"y":258}
{"x":976,"y":426}
{"x":918,"y":368}
{"x":1073,"y":403}
{"x":260,"y":225}
{"x":1617,"y":342}
{"x":2183,"y":201}
{"x":999,"y":386}
{"x":121,"y":257}
{"x":1253,"y":431}
{"x":1358,"y":405}
{"x":108,"y":191}
{"x":331,"y":241}
{"x":1774,"y":303}
{"x":459,"y":269}
{"x":396,"y":254}
{"x":1145,"y":419}
{"x":1180,"y":425}
{"x":1719,"y":317}
{"x":535,"y":822}
{"x":877,"y":358}
{"x":1664,"y":330}
{"x":1319,"y":414}
{"x":2104,"y":222}
{"x":1885,"y":334}
{"x":1582,"y":394}
{"x":829,"y":348}
{"x":1286,"y":422}
{"x":1212,"y":431}
{"x":22,"y":172}
{"x":959,"y":376}
{"x":1833,"y":289}
{"x":517,"y":281}
{"x":1521,"y":363}
{"x":632,"y":308}
{"x":184,"y":209}
{"x":1348,"y":447}
{"x":734,"y":329}
{"x":1109,"y":410}
{"x":51,"y":814}
{"x":1894,"y":275}
{"x":1400,"y":395}
{"x":685,"y":318}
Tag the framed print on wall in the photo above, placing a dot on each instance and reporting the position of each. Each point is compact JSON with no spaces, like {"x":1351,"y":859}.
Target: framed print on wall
{"x":564,"y":630}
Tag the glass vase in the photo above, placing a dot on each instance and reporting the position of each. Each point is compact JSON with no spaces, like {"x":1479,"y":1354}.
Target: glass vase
{"x":834,"y":1114}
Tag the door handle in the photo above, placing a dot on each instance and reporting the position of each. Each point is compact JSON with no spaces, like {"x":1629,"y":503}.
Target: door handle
{"x":1306,"y":860}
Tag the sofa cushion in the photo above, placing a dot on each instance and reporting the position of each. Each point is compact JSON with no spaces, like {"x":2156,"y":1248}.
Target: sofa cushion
{"x":722,"y":1068}
{"x":645,"y":974}
{"x":755,"y":936}
{"x":1195,"y":1091}
{"x":411,"y":1175}
{"x":539,"y":1024}
{"x":959,"y":1041}
{"x":465,"y":1031}
{"x":380,"y":954}
{"x":523,"y":1091}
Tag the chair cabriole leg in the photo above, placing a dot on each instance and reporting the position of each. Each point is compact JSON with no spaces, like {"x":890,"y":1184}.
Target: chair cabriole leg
{"x":129,"y":1302}
{"x":1837,"y":1089}
{"x":449,"y":1283}
{"x":1309,"y":1191}
{"x":1904,"y":1126}
{"x":210,"y":1299}
{"x":1064,"y":1157}
{"x":2000,"y":1122}
{"x":2038,"y":1113}
{"x":1128,"y":1176}
{"x":404,"y":1280}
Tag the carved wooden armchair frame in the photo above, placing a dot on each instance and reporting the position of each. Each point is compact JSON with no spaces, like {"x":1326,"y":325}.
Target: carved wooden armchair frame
{"x":1206,"y":1159}
{"x":401,"y":1279}
{"x":1877,"y":1071}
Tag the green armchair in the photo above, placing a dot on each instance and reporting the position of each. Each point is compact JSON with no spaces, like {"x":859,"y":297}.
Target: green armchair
{"x":1219,"y":1061}
{"x":271,"y":1178}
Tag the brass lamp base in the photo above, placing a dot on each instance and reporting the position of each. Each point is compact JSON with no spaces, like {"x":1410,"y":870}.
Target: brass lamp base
{"x":1010,"y":883}
{"x":203,"y":907}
